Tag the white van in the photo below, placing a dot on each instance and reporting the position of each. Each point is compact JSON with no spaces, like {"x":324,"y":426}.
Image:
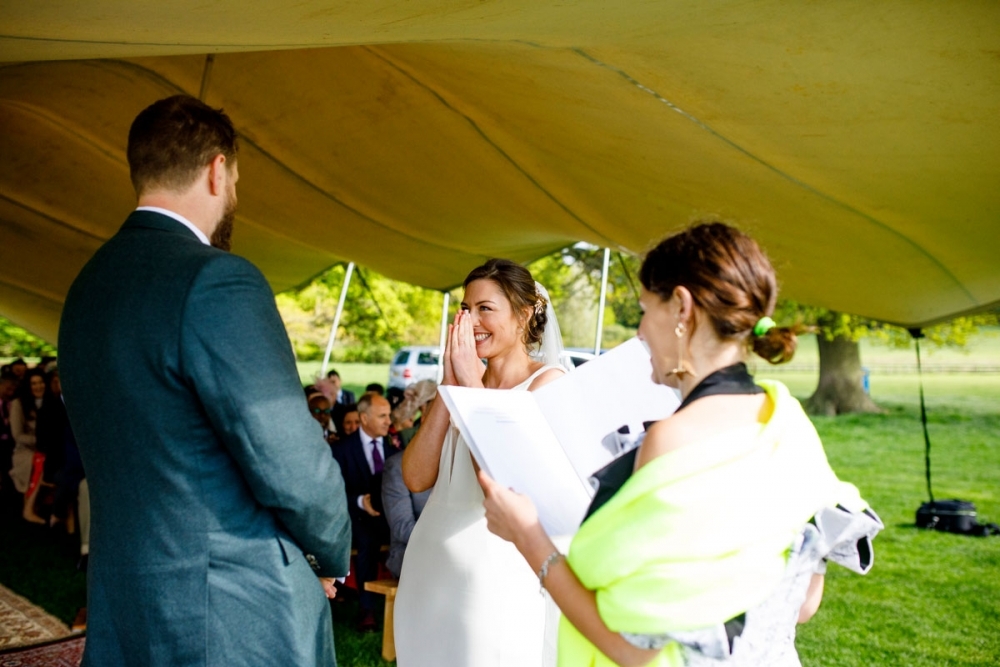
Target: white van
{"x":412,"y":364}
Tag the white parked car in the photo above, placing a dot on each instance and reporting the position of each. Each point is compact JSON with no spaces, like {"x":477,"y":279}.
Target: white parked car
{"x":412,"y":364}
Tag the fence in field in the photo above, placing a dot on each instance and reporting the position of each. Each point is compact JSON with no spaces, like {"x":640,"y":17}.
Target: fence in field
{"x":891,"y":369}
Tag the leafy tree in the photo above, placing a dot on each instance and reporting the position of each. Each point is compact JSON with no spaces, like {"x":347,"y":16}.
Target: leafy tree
{"x":840,"y":389}
{"x":573,"y":279}
{"x":379,"y":316}
{"x":16,"y":342}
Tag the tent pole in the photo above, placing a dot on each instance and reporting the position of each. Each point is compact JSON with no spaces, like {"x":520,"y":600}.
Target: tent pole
{"x":206,"y":75}
{"x":444,"y":333}
{"x":600,"y":307}
{"x":336,"y":318}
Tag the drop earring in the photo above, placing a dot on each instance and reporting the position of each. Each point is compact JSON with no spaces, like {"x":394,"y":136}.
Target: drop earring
{"x":680,"y":371}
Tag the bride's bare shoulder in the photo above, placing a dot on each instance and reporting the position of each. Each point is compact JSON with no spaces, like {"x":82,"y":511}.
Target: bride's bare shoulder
{"x":546,"y":377}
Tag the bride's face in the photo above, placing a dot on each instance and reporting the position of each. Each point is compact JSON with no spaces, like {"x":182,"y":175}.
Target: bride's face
{"x":494,"y":323}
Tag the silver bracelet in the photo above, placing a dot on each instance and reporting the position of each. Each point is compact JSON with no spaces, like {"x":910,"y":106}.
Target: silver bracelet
{"x":543,"y":571}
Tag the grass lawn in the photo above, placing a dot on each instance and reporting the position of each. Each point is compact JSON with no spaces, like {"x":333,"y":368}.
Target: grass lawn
{"x":931,"y":599}
{"x":355,"y":377}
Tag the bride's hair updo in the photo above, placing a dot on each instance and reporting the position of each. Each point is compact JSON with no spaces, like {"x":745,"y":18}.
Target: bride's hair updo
{"x":730,"y":279}
{"x":518,"y":286}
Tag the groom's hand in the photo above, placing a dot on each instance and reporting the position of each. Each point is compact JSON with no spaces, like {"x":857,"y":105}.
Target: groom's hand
{"x":329,"y":586}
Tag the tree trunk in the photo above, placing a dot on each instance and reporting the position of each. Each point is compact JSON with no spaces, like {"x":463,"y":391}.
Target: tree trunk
{"x":840,"y":388}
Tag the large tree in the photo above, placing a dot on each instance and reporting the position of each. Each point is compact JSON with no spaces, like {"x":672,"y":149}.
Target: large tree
{"x":573,"y":279}
{"x":379,"y":316}
{"x":840,"y":389}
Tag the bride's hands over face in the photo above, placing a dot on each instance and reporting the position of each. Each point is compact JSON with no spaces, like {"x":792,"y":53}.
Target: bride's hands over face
{"x":449,"y":371}
{"x":465,"y":363}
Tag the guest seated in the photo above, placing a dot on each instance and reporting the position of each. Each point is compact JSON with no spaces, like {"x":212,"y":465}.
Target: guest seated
{"x":8,"y":387}
{"x":401,"y":420}
{"x":362,"y":456}
{"x":395,"y":396}
{"x":52,"y":432}
{"x":350,"y":421}
{"x":26,"y":468}
{"x":319,"y":408}
{"x":19,"y":367}
{"x":402,"y":507}
{"x":341,"y":396}
{"x":419,"y":397}
{"x":375,"y":388}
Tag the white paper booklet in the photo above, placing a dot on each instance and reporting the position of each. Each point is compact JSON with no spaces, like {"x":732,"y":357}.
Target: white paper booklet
{"x":548,"y":443}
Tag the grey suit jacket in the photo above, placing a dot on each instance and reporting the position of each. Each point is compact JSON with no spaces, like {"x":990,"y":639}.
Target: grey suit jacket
{"x":402,"y":508}
{"x":208,"y":478}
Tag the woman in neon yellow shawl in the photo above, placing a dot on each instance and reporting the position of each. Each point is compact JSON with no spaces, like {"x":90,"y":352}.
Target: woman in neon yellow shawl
{"x":721,"y":493}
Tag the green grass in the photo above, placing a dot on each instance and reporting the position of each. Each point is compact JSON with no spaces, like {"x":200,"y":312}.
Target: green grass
{"x":354,"y":377}
{"x":983,"y":350}
{"x":931,"y":599}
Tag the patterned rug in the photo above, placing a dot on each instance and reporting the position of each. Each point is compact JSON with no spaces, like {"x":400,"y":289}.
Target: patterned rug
{"x":66,"y":652}
{"x":22,"y":623}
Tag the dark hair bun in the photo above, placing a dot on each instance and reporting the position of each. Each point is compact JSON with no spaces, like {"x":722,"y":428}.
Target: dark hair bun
{"x":730,"y":279}
{"x":778,"y":345}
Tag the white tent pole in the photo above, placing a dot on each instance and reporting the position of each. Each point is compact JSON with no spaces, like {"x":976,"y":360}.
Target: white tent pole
{"x":444,"y":333}
{"x":600,"y":308}
{"x":336,"y":318}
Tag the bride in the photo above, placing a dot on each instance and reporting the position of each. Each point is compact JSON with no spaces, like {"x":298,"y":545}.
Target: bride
{"x":466,"y":598}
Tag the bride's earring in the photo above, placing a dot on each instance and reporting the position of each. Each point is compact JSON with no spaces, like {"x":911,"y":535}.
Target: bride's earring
{"x":680,"y":371}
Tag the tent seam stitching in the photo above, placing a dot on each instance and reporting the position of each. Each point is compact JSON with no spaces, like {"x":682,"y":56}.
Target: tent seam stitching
{"x":482,"y":133}
{"x":788,"y":177}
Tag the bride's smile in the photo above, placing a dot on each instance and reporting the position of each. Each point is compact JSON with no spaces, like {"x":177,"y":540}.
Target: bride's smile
{"x":495,"y":326}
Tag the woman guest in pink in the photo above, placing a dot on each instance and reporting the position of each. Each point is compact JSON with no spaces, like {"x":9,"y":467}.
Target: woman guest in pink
{"x":465,"y":597}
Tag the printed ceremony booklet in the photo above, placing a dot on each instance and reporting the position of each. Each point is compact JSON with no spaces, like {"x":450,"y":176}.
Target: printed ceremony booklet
{"x":548,"y":443}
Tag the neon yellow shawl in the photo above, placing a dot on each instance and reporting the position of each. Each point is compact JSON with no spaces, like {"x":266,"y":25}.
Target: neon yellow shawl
{"x":701,"y":534}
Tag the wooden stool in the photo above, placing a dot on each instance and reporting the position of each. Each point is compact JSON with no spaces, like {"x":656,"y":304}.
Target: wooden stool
{"x":386,"y":587}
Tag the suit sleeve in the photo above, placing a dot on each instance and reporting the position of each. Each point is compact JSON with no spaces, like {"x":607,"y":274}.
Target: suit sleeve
{"x":237,"y":356}
{"x":341,"y":453}
{"x":397,"y":501}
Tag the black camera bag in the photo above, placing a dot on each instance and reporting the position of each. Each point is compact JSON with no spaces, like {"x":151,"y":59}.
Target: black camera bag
{"x":953,"y":516}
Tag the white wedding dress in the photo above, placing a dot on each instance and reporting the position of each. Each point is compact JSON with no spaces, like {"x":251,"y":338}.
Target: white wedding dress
{"x":466,"y":597}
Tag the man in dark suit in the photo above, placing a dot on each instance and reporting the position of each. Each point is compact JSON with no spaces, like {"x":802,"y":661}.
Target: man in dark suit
{"x":212,"y":490}
{"x":362,"y":457}
{"x":344,"y":396}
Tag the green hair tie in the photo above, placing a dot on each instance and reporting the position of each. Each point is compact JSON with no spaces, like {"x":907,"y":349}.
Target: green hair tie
{"x":763,"y":325}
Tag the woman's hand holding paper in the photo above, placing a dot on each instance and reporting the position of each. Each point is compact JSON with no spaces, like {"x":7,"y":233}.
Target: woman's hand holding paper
{"x":509,"y":515}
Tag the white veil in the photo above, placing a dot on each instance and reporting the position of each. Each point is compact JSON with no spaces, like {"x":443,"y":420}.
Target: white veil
{"x":550,"y":351}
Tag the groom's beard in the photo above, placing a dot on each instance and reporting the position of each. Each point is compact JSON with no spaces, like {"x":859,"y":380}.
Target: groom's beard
{"x":222,"y":237}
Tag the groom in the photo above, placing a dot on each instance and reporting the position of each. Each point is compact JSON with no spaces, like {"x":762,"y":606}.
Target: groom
{"x":212,"y":490}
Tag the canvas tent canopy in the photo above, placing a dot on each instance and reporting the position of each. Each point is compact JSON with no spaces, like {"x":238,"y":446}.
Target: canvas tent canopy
{"x":858,"y":142}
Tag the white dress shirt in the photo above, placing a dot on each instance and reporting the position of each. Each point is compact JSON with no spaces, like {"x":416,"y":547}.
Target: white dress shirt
{"x":179,"y":218}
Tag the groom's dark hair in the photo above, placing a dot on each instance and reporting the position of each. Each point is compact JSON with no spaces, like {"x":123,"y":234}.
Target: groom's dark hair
{"x":173,"y":139}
